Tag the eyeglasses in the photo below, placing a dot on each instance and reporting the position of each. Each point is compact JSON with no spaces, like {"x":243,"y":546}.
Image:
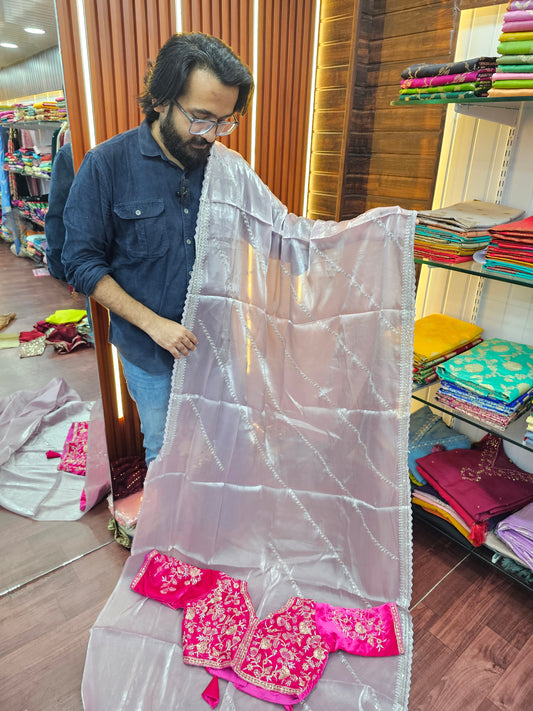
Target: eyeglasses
{"x":199,"y":127}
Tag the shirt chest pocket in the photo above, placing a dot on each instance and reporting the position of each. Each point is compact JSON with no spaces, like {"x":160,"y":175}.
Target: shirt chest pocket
{"x":141,"y":228}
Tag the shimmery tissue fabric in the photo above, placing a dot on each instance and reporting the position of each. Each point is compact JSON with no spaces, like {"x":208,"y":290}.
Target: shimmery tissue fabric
{"x":285,"y":455}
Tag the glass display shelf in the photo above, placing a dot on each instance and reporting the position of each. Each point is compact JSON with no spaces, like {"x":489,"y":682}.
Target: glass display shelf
{"x":514,"y":433}
{"x":520,"y":574}
{"x":33,"y":124}
{"x":486,"y":100}
{"x":475,"y":269}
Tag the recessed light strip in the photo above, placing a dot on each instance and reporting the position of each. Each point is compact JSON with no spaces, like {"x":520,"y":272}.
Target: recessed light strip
{"x":86,"y":72}
{"x":311,"y":109}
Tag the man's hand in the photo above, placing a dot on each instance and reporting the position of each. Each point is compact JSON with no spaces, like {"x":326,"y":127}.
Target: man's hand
{"x":168,"y":334}
{"x":172,"y":336}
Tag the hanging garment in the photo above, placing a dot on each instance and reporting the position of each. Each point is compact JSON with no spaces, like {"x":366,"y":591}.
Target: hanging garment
{"x":284,"y":462}
{"x":279,"y":658}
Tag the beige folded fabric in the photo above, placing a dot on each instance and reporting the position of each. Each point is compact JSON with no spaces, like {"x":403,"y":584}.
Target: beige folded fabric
{"x":6,"y":319}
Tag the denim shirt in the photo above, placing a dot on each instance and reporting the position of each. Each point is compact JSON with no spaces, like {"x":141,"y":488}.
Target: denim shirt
{"x":131,"y":213}
{"x":54,"y":228}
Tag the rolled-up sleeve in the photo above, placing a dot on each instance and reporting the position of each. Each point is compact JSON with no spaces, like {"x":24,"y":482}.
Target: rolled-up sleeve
{"x":89,"y":227}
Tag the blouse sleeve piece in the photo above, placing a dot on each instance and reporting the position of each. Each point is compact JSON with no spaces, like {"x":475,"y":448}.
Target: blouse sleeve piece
{"x":170,"y":581}
{"x":374,"y":632}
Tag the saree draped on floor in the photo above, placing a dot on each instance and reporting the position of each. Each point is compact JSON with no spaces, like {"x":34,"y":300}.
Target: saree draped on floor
{"x":285,"y":456}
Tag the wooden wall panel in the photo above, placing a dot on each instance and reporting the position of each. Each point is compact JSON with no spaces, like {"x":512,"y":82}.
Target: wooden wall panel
{"x":392,"y":153}
{"x":286,"y":34}
{"x":230,"y":21}
{"x":67,"y":21}
{"x":334,"y":85}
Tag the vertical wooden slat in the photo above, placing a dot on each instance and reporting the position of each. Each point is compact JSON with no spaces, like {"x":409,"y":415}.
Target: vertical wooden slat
{"x":283,"y":97}
{"x":67,"y":20}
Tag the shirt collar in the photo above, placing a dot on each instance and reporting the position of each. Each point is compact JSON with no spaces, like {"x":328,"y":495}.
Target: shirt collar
{"x":148,"y":144}
{"x":150,"y":147}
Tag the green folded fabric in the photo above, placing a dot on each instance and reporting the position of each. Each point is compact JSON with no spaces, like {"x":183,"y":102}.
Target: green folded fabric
{"x":466,"y":86}
{"x":519,"y":59}
{"x":428,"y":98}
{"x":513,"y":84}
{"x":517,"y":67}
{"x":516,"y":47}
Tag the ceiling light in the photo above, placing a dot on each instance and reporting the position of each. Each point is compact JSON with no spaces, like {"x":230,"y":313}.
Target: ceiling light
{"x":34,"y":31}
{"x":8,"y":45}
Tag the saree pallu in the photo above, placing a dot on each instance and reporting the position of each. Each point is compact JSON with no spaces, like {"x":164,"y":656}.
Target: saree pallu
{"x":285,"y":455}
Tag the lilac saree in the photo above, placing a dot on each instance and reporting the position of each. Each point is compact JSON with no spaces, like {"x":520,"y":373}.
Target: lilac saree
{"x":285,"y":455}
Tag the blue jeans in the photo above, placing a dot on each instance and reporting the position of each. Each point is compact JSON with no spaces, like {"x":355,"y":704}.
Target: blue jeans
{"x":151,"y":394}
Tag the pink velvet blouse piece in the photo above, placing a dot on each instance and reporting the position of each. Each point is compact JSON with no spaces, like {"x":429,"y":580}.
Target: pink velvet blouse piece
{"x":279,"y":658}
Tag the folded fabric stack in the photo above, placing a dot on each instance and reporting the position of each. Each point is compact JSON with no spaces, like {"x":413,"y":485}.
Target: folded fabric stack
{"x":480,"y":484}
{"x":510,"y":249}
{"x":47,"y":111}
{"x":7,"y":115}
{"x":528,"y":439}
{"x":516,"y":531}
{"x":492,"y":382}
{"x":33,"y":208}
{"x":428,"y":433}
{"x":514,"y":73}
{"x":437,"y":338}
{"x":30,"y":162}
{"x":455,"y":80}
{"x":455,"y":233}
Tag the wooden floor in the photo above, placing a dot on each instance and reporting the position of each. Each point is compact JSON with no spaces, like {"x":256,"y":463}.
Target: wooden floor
{"x":473,"y":626}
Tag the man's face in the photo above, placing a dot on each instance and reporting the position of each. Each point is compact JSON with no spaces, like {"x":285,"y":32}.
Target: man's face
{"x":205,"y":97}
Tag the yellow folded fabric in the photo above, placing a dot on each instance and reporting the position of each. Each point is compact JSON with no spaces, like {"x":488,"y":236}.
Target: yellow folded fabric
{"x":438,"y":334}
{"x":67,"y":316}
{"x":9,"y":340}
{"x":516,"y":36}
{"x":436,"y":511}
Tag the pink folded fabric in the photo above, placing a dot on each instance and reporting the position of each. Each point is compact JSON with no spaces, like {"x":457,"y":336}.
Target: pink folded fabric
{"x":516,"y":15}
{"x":440,"y":80}
{"x":523,"y":26}
{"x":504,"y":76}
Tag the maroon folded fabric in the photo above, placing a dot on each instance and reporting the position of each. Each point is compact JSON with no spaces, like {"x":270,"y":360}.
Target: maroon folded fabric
{"x":479,"y":483}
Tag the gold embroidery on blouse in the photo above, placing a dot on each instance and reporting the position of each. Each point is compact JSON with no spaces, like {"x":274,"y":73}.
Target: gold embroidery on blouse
{"x":486,"y":467}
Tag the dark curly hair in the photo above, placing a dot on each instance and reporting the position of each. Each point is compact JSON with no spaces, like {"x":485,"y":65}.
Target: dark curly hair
{"x":167,"y":78}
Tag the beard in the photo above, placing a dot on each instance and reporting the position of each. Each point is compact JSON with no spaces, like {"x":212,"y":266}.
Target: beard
{"x":182,"y":150}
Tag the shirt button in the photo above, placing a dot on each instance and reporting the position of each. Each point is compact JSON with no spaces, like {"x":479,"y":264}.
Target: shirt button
{"x":186,"y":211}
{"x":137,"y":212}
{"x":188,"y":241}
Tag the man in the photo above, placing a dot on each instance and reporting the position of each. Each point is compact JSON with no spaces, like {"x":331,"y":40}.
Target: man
{"x":54,"y":227}
{"x":132,"y":209}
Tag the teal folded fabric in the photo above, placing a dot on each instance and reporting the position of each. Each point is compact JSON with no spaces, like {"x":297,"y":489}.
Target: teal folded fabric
{"x":427,"y":431}
{"x":497,"y":368}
